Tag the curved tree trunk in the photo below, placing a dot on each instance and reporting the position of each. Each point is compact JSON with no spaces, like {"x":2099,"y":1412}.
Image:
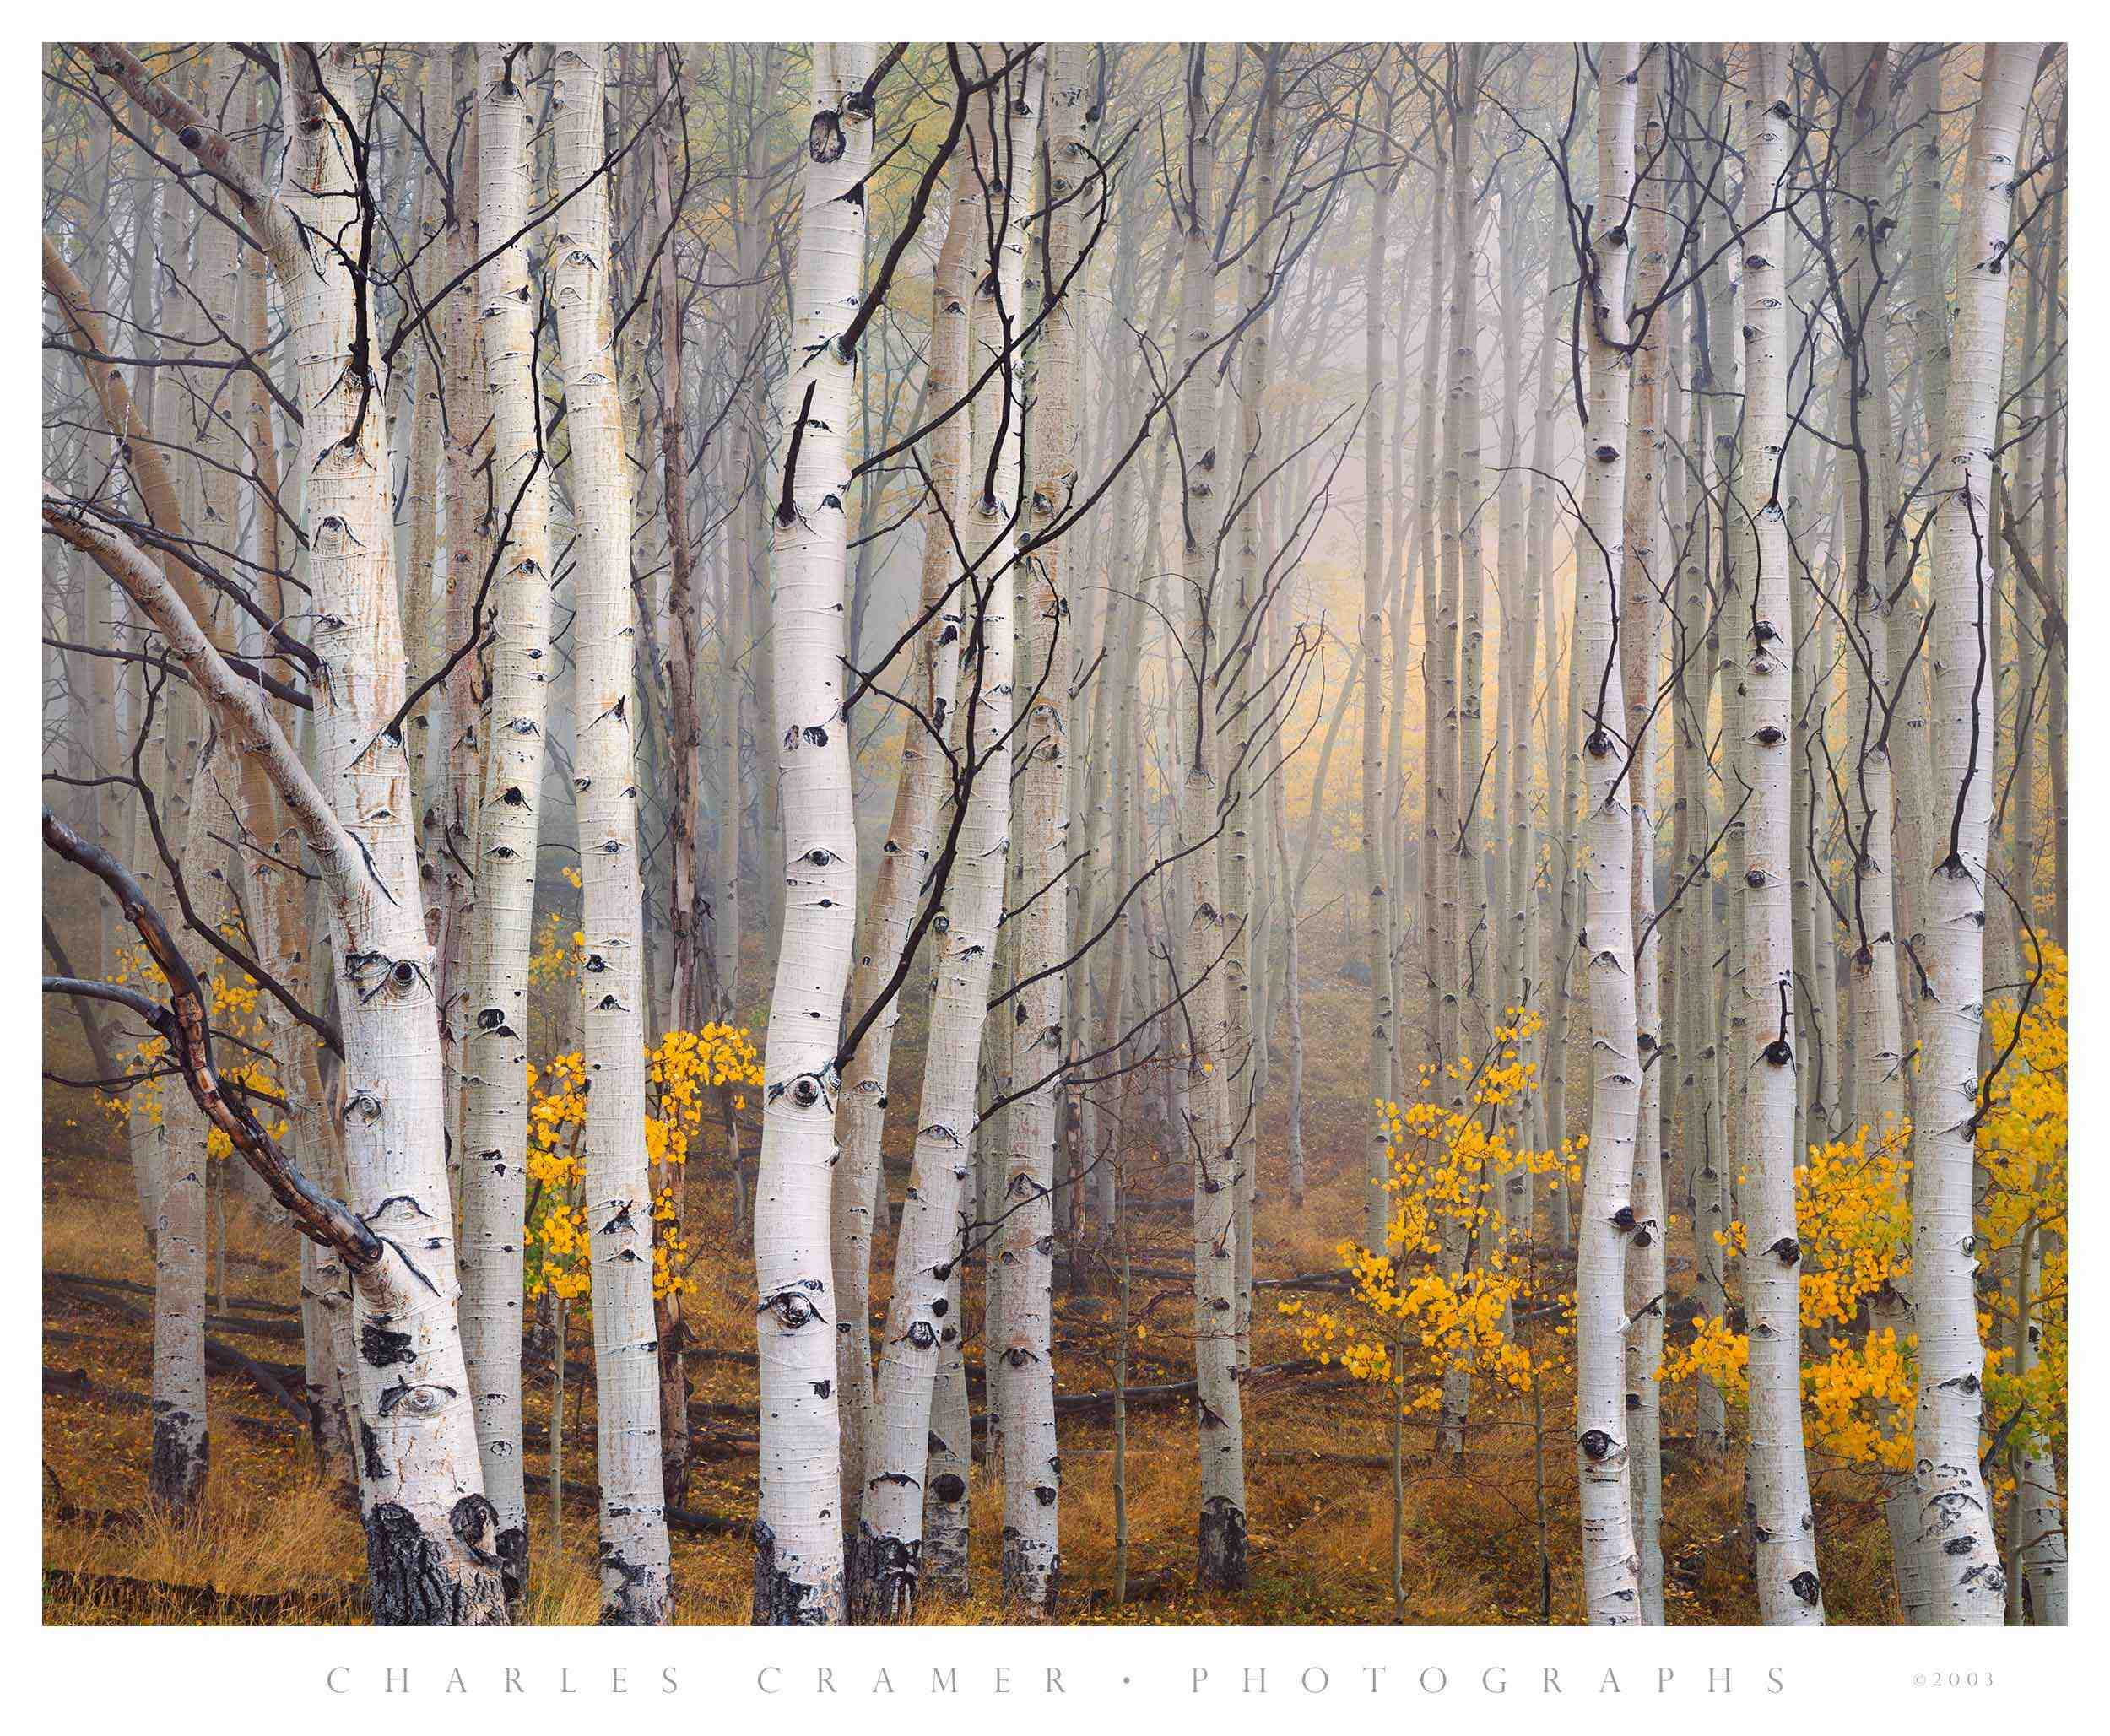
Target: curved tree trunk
{"x":905,"y":857}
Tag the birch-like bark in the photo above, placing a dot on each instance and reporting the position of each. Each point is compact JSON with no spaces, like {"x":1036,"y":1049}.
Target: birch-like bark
{"x":1376,"y":819}
{"x":1246,"y":898}
{"x":1778,"y":1488}
{"x":507,"y":822}
{"x":690,"y":963}
{"x":906,"y":857}
{"x":468,"y":483}
{"x":1644,"y":585}
{"x":620,"y":1205}
{"x":1955,"y":1510}
{"x":1706,"y":1182}
{"x":1610,"y":1564}
{"x":799,"y":1578}
{"x":1867,"y":489}
{"x":1222,"y":1532}
{"x":1910,"y":648}
{"x":431,"y":1531}
{"x":923,"y":1328}
{"x":1471,"y":986}
{"x":1429,"y":438}
{"x":1025,"y":1240}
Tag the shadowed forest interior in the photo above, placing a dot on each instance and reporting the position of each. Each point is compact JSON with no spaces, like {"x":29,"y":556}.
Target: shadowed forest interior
{"x":1133,"y":833}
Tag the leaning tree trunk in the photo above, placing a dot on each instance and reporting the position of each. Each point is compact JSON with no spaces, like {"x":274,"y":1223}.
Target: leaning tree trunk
{"x":923,"y":1324}
{"x":619,"y":1206}
{"x":798,"y":1533}
{"x":1611,"y":1592}
{"x":906,"y":856}
{"x":1782,"y":1528}
{"x":1956,"y":1509}
{"x":431,"y":1533}
{"x":494,"y":1037}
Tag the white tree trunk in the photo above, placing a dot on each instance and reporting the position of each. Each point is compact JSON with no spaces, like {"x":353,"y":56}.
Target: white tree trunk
{"x":1221,"y":1534}
{"x":1376,"y":819}
{"x":494,"y":1033}
{"x":922,"y":1325}
{"x":1610,"y":1564}
{"x":1955,"y":1510}
{"x":1026,"y":1240}
{"x":799,"y":1578}
{"x":619,"y":1206}
{"x":1783,"y":1529}
{"x":1644,"y":584}
{"x":906,"y":856}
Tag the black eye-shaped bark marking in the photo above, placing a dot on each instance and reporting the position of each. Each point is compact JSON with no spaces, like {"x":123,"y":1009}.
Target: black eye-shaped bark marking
{"x":427,"y":1398}
{"x":792,"y":1309}
{"x":1595,"y":1444}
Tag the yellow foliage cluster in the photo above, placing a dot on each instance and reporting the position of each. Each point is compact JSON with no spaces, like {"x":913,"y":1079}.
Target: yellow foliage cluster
{"x":1853,"y":1217}
{"x":244,"y":1062}
{"x":678,"y":1072}
{"x":1446,"y":1284}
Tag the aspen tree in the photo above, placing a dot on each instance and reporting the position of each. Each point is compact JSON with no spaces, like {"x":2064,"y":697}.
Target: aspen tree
{"x":690,"y":962}
{"x":431,"y":1531}
{"x":1955,"y":1510}
{"x":799,"y":1574}
{"x":1702,"y":1131}
{"x":1610,"y":1563}
{"x":690,"y":965}
{"x":1911,"y":644}
{"x":1428,"y":428}
{"x":508,"y":821}
{"x":906,"y":856}
{"x":1245,"y":896}
{"x":1869,"y":487}
{"x":923,"y":1315}
{"x":168,"y":1151}
{"x":619,"y":1206}
{"x":1221,"y":1534}
{"x":1642,"y":587}
{"x":1522,"y":579}
{"x":1026,"y":1240}
{"x":1471,"y":986}
{"x":1788,"y":1589}
{"x":1542,"y":836}
{"x":468,"y":486}
{"x":1376,"y":819}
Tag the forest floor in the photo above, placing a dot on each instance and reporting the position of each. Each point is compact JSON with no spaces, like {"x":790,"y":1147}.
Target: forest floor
{"x":275,"y":1543}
